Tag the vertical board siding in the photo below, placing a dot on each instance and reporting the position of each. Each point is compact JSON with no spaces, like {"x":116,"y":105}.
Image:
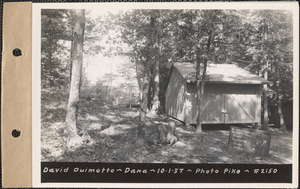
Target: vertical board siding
{"x":227,"y":103}
{"x":175,"y":96}
{"x":222,"y":104}
{"x":240,"y":108}
{"x":240,"y":103}
{"x":192,"y":98}
{"x":212,"y":104}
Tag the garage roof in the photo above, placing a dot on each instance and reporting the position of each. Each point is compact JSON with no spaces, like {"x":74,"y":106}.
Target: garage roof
{"x":220,"y":73}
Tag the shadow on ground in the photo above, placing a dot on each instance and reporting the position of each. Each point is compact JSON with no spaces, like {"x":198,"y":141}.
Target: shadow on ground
{"x":113,"y":139}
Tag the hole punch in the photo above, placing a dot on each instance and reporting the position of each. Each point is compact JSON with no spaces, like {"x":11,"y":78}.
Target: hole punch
{"x":16,"y":133}
{"x":17,"y":52}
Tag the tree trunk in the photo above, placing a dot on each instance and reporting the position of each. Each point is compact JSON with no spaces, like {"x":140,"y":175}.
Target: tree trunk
{"x":199,"y":88}
{"x":155,"y":104}
{"x":265,"y":100}
{"x":137,"y":70}
{"x":71,"y":117}
{"x":155,"y":99}
{"x":130,"y":91}
{"x":279,"y":109}
{"x":201,"y":79}
{"x":167,"y":133}
{"x":143,"y":112}
{"x":201,"y":102}
{"x":71,"y":55}
{"x":139,"y":80}
{"x":50,"y":54}
{"x":281,"y":119}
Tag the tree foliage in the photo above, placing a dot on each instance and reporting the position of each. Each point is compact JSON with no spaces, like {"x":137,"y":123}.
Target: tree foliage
{"x":247,"y":38}
{"x":271,"y":53}
{"x":54,"y":36}
{"x":258,"y":40}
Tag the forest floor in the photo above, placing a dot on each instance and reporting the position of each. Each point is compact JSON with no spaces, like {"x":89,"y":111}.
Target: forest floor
{"x":113,"y":139}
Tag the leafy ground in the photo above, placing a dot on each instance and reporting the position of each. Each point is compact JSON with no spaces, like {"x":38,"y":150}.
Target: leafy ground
{"x":113,"y":139}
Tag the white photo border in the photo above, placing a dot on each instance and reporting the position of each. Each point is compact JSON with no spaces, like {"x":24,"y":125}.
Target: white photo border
{"x":36,"y":87}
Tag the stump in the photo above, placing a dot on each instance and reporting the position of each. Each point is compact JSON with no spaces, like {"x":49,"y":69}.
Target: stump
{"x":167,"y":134}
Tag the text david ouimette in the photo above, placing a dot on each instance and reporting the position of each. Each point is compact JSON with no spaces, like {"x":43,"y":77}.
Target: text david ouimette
{"x":128,"y":170}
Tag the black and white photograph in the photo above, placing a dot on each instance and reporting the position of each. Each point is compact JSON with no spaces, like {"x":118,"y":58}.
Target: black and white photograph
{"x":167,"y":86}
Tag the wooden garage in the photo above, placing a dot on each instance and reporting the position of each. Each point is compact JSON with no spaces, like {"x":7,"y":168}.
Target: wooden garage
{"x":232,"y":95}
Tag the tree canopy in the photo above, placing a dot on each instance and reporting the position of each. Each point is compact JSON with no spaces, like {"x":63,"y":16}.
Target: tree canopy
{"x":260,"y":41}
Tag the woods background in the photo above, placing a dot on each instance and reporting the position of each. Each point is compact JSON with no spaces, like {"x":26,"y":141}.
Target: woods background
{"x":93,"y":62}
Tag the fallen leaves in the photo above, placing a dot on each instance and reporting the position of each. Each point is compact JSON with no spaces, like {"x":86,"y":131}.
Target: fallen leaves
{"x":111,"y":137}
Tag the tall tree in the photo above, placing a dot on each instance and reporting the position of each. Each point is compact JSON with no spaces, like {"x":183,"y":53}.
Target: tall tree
{"x":209,"y":36}
{"x":77,"y":55}
{"x":54,"y":59}
{"x":206,"y":43}
{"x":158,"y":38}
{"x":155,"y":40}
{"x":211,"y":41}
{"x":138,"y":30}
{"x":271,"y":52}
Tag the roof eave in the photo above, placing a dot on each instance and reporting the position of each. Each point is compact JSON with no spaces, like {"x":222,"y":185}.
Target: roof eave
{"x":235,"y":82}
